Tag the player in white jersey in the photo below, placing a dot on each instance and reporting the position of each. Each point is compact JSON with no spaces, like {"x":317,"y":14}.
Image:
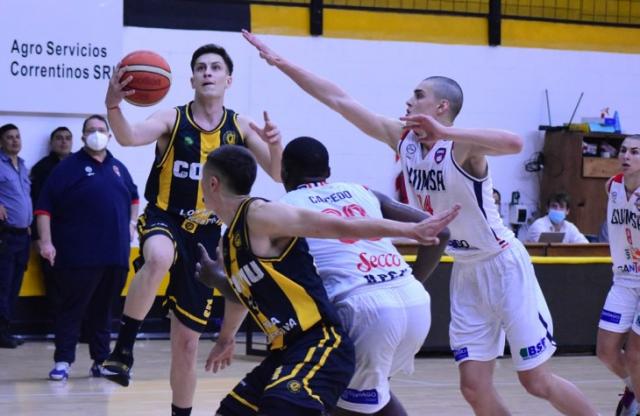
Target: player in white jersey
{"x":620,"y":318}
{"x":493,"y":285}
{"x":383,"y":308}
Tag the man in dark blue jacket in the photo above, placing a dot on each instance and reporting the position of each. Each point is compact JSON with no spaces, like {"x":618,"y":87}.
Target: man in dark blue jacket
{"x":86,"y":217}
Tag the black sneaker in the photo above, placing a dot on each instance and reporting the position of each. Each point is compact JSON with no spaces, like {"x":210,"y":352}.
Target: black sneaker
{"x":627,"y":406}
{"x":117,"y":368}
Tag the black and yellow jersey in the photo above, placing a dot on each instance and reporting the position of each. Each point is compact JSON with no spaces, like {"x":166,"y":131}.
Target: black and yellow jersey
{"x":284,"y":294}
{"x":174,"y":180}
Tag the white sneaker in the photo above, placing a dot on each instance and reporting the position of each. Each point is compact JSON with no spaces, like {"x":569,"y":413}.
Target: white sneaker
{"x":60,"y":371}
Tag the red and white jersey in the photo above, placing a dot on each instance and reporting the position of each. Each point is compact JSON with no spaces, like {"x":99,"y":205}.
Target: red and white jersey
{"x":623,"y":221}
{"x":435,"y":183}
{"x":347,"y":264}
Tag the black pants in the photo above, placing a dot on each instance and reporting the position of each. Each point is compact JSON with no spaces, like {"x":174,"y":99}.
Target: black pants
{"x":84,"y":300}
{"x":14,"y":255}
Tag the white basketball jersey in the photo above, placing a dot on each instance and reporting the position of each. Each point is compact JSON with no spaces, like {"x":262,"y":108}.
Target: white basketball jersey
{"x":436,"y":182}
{"x":623,"y":221}
{"x":348,"y":264}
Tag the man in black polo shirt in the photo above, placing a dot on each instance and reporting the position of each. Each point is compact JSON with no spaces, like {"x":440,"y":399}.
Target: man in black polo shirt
{"x":85,"y":212}
{"x":60,"y":143}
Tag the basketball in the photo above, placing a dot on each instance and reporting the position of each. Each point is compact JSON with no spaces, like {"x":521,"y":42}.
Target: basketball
{"x":151,"y":77}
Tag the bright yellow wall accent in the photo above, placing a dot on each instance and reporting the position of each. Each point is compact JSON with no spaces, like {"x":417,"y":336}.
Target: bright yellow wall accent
{"x":33,"y":284}
{"x":529,"y":34}
{"x":372,"y":25}
{"x":280,"y":20}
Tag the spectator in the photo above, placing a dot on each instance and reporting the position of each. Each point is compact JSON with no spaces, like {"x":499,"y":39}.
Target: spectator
{"x":15,"y":217}
{"x":555,"y":221}
{"x":86,"y":216}
{"x":60,"y":143}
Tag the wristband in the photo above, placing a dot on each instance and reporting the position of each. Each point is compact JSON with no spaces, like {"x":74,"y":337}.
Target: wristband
{"x":115,"y":107}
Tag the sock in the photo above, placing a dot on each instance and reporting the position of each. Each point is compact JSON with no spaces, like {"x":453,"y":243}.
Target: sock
{"x":127,"y":336}
{"x":180,"y":411}
{"x":627,"y":382}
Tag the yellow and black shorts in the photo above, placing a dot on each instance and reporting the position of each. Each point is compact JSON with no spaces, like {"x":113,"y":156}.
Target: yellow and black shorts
{"x":306,"y":378}
{"x":190,"y":300}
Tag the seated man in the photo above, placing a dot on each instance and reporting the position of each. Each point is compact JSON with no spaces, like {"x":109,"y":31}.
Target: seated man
{"x":270,"y":274}
{"x":555,"y":221}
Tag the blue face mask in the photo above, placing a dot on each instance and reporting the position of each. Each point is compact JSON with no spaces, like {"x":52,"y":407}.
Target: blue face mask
{"x":556,"y":216}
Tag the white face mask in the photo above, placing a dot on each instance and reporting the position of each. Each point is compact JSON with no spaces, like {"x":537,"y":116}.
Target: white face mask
{"x":97,"y":141}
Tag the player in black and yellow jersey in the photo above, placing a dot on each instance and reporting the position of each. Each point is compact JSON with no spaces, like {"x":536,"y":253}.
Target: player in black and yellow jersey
{"x":175,"y":219}
{"x":273,"y":276}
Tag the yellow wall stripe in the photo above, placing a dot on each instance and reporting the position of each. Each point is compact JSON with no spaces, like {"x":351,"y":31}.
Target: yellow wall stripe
{"x":532,"y":34}
{"x":444,"y":29}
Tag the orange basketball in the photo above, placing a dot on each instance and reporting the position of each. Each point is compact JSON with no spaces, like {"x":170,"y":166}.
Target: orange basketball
{"x":151,"y":77}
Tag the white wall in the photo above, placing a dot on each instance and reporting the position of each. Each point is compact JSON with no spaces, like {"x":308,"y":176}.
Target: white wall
{"x":504,"y":88}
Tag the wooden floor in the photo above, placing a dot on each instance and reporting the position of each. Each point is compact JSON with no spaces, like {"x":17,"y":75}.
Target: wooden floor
{"x":431,"y":390}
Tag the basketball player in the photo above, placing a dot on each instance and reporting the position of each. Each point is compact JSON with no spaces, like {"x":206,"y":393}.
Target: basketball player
{"x":273,"y":275}
{"x":620,"y":318}
{"x":382,"y":307}
{"x":493,"y":286}
{"x":175,"y":219}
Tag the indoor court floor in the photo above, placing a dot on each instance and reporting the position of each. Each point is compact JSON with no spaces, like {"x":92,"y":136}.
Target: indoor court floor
{"x":431,"y":390}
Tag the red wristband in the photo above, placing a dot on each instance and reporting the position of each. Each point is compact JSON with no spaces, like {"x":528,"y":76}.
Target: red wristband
{"x":115,"y":107}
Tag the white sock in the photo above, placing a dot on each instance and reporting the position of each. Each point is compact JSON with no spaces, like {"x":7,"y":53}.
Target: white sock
{"x":627,"y":382}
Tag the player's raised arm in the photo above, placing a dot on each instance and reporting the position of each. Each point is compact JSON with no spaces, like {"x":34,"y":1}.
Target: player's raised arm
{"x":273,"y":220}
{"x":489,"y":142}
{"x":385,"y":129}
{"x":156,"y":127}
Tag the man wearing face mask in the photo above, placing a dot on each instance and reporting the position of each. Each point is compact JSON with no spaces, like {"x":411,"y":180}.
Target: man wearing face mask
{"x":86,"y":215}
{"x":555,"y":221}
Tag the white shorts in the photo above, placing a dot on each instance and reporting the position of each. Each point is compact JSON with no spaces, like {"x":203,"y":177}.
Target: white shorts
{"x":387,"y":325}
{"x":621,"y":310}
{"x":496,"y":296}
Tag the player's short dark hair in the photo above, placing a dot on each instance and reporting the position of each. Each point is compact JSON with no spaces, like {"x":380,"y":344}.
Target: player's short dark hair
{"x":562,"y":198}
{"x":236,"y":166}
{"x":6,"y":128}
{"x":96,"y":117}
{"x":212,"y":48}
{"x":59,"y":129}
{"x":306,"y":157}
{"x":445,"y":88}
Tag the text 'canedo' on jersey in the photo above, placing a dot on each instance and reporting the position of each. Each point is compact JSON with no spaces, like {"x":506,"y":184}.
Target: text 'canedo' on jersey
{"x":283,"y":294}
{"x":174,"y":180}
{"x":435,"y":182}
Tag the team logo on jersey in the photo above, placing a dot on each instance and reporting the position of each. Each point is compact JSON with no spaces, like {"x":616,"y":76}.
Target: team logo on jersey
{"x":188,"y":141}
{"x":614,"y":197}
{"x":294,"y":386}
{"x":440,"y":154}
{"x":89,"y":170}
{"x":229,"y":137}
{"x":116,"y":170}
{"x":411,"y":149}
{"x":237,"y":240}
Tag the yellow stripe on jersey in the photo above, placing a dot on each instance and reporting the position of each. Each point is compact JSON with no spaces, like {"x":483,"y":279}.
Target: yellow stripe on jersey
{"x":303,"y":304}
{"x":171,"y":140}
{"x":235,"y":123}
{"x":243,"y":401}
{"x":323,"y":359}
{"x":166,"y":176}
{"x":208,"y":143}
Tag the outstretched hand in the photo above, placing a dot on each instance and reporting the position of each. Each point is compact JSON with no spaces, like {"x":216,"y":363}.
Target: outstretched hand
{"x":427,"y":128}
{"x":265,"y":53}
{"x":270,"y":133}
{"x":220,"y":355}
{"x":427,"y":230}
{"x":116,"y":91}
